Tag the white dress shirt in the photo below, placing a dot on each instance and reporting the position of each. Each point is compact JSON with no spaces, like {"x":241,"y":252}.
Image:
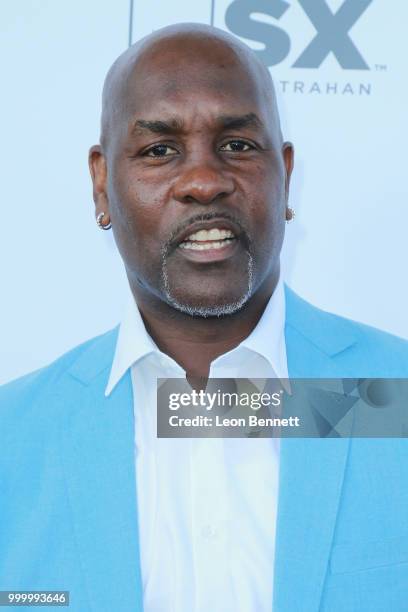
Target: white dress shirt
{"x":206,"y":506}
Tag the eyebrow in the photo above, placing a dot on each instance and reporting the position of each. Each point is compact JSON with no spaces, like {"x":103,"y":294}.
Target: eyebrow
{"x":158,"y":126}
{"x":236,"y":122}
{"x":176,"y":125}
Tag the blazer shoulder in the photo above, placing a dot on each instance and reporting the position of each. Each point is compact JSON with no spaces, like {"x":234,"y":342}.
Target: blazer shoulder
{"x":336,"y":335}
{"x":377,"y":344}
{"x":30,"y":387}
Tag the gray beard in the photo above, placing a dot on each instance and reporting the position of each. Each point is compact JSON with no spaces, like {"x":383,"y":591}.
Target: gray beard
{"x":207,"y":311}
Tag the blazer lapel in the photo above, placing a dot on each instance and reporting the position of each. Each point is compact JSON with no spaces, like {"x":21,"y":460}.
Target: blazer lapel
{"x":98,"y":458}
{"x":311,"y":474}
{"x":311,"y":477}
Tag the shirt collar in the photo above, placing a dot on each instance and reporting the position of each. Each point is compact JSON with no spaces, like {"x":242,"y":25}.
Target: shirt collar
{"x":266,"y":339}
{"x":133,"y":344}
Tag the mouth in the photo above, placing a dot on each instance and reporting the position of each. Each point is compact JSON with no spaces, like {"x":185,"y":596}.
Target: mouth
{"x":209,"y":241}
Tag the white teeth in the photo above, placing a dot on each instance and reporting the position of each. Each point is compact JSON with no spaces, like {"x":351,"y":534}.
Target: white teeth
{"x":212,"y":234}
{"x":195,"y":246}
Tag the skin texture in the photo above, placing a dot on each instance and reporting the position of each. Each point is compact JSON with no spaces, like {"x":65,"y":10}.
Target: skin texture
{"x":191,"y":138}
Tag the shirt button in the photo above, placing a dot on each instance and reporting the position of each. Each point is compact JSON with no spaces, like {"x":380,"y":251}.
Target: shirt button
{"x":209,"y":532}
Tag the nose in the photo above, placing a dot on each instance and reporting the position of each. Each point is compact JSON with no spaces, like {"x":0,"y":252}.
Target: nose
{"x":202,"y":183}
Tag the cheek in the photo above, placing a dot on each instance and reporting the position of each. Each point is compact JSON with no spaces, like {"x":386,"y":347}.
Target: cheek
{"x":266,"y":216}
{"x":137,"y":208}
{"x":266,"y":201}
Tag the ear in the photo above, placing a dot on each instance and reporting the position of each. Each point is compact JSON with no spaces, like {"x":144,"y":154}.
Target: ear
{"x":288,"y":153}
{"x":98,"y":170}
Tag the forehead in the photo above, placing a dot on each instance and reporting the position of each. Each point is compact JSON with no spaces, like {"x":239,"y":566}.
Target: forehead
{"x":199,"y":81}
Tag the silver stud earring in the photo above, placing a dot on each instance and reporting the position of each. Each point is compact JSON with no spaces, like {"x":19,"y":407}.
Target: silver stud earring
{"x":100,"y":224}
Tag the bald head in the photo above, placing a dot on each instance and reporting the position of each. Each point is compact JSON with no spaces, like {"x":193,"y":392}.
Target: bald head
{"x":173,"y":52}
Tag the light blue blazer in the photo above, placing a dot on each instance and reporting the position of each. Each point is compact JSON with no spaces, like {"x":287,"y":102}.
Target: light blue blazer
{"x":67,"y":483}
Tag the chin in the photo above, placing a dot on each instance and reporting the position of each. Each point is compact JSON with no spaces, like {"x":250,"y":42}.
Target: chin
{"x":211,"y":297}
{"x":205,"y":308}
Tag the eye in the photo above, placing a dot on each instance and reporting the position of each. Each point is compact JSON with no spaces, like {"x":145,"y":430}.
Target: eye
{"x":236,"y":146}
{"x":160,"y":150}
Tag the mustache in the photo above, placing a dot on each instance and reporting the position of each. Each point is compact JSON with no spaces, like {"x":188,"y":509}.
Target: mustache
{"x":172,"y":243}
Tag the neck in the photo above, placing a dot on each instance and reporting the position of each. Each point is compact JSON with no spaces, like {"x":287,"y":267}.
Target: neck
{"x":194,"y":342}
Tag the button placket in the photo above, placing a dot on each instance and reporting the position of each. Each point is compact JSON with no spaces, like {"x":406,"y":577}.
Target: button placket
{"x":209,"y":512}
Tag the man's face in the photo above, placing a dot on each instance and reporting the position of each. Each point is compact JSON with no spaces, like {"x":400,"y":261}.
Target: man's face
{"x":196,"y":183}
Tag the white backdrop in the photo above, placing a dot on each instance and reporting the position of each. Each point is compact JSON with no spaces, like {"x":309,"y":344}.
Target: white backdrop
{"x":62,"y":280}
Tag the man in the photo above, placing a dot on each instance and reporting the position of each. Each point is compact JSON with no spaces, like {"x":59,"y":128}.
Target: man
{"x":192,"y":174}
